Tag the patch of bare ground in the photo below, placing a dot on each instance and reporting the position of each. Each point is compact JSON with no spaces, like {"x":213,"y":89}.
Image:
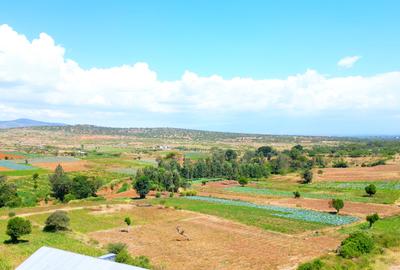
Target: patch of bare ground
{"x":350,"y":208}
{"x":214,"y":243}
{"x":377,"y":173}
{"x":81,"y":165}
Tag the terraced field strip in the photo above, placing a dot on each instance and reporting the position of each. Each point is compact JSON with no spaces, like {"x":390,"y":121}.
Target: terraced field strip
{"x":52,"y":159}
{"x":392,"y":185}
{"x":286,"y":212}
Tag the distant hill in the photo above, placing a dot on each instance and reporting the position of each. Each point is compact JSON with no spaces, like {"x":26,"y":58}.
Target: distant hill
{"x":179,"y":133}
{"x":23,"y":122}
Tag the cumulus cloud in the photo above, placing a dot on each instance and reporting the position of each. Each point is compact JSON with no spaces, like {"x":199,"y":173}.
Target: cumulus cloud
{"x":348,"y":61}
{"x":37,"y":75}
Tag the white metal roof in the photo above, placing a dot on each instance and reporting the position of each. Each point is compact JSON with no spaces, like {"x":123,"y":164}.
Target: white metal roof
{"x":47,"y":258}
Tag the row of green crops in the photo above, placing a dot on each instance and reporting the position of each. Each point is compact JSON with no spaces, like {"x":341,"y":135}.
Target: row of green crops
{"x":393,"y":185}
{"x":286,"y":212}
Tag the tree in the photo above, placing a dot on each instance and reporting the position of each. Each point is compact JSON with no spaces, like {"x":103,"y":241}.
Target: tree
{"x":83,"y":186}
{"x":60,"y":183}
{"x":57,"y":221}
{"x":142,"y":186}
{"x":8,"y":194}
{"x":370,"y":190}
{"x":230,"y":155}
{"x":337,"y":204}
{"x":307,"y":176}
{"x":266,"y":151}
{"x":16,"y":227}
{"x":35,"y":177}
{"x":372,"y":219}
{"x":243,"y":181}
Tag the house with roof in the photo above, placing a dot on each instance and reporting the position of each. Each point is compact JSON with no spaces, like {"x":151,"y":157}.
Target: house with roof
{"x":47,"y":258}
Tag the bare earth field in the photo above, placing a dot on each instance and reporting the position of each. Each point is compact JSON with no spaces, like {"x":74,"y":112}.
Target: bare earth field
{"x":10,"y":156}
{"x":81,"y":165}
{"x":382,"y":172}
{"x":214,"y":243}
{"x":3,"y":169}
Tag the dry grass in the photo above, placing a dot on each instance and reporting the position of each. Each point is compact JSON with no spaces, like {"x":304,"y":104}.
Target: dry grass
{"x":377,"y":173}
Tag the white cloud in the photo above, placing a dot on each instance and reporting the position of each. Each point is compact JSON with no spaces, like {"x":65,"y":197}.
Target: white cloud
{"x":37,"y":75}
{"x":348,"y":61}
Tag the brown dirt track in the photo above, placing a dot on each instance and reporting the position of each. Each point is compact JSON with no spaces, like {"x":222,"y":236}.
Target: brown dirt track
{"x":214,"y":243}
{"x":377,"y":173}
{"x":67,"y":166}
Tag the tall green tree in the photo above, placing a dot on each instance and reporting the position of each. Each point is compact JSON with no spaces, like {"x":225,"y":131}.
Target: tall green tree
{"x":60,"y":183}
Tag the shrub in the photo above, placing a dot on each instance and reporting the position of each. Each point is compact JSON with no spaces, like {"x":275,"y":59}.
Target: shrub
{"x":158,"y":194}
{"x":116,"y":248}
{"x":124,"y":257}
{"x":204,"y":182}
{"x":8,"y":194}
{"x":128,"y":221}
{"x":314,"y":265}
{"x":341,"y":163}
{"x":188,"y":193}
{"x":370,"y":189}
{"x":171,"y":194}
{"x":372,"y":219}
{"x":337,"y":204}
{"x":355,"y":245}
{"x":11,"y":214}
{"x":320,"y":172}
{"x":243,"y":181}
{"x":16,"y":227}
{"x":124,"y":187}
{"x":142,"y":186}
{"x":296,"y":194}
{"x":307,"y":176}
{"x":69,"y":197}
{"x":57,"y":221}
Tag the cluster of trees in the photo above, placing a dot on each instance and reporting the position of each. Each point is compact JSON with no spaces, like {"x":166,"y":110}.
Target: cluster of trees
{"x":8,"y":193}
{"x":65,"y":189}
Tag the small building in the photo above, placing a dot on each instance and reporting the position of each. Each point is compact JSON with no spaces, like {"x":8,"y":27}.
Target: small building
{"x":47,"y":258}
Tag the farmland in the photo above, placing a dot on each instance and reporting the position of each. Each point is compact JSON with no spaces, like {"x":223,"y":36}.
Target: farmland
{"x":235,"y":203}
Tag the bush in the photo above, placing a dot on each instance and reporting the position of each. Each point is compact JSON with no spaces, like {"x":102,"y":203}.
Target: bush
{"x":314,"y":265}
{"x":16,"y":227}
{"x":124,"y":257}
{"x":341,"y":163}
{"x":11,"y":214}
{"x":69,"y":197}
{"x":171,"y":194}
{"x":337,"y":204}
{"x":128,"y":221}
{"x":158,"y":194}
{"x":243,"y":181}
{"x":124,"y":187}
{"x":8,"y":194}
{"x":188,"y":193}
{"x":204,"y":182}
{"x":372,"y":219}
{"x":370,"y":189}
{"x":57,"y":221}
{"x":116,"y":248}
{"x":296,"y":194}
{"x":355,"y":245}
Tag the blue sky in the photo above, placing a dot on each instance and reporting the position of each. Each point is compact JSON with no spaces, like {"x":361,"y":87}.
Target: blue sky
{"x":257,"y":40}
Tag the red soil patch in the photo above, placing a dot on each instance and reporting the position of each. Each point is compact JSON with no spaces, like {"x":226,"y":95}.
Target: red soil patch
{"x":81,"y":165}
{"x":223,"y":184}
{"x":350,"y":208}
{"x":10,"y":156}
{"x":214,"y":243}
{"x":382,"y":172}
{"x":4,"y":169}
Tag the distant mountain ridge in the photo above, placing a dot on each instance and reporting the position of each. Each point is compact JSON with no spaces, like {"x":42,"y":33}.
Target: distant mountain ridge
{"x":24,"y":122}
